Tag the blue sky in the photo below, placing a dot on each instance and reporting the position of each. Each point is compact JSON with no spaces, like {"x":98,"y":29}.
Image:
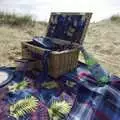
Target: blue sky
{"x":41,"y":9}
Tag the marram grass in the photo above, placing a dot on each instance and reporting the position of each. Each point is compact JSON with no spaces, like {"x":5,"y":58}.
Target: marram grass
{"x":16,"y":19}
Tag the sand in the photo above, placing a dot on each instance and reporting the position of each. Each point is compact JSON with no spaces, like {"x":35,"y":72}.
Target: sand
{"x":102,"y":41}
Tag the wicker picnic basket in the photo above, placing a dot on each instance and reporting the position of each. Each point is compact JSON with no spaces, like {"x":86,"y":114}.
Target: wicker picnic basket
{"x":60,"y":62}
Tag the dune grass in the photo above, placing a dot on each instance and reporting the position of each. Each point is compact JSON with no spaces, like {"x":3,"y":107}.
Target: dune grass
{"x":16,"y":20}
{"x":115,"y":18}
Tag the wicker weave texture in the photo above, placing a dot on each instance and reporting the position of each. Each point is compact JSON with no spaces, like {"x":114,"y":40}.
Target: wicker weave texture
{"x":58,"y":62}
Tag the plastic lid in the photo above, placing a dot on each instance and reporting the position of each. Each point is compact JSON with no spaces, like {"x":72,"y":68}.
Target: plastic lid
{"x":68,"y":26}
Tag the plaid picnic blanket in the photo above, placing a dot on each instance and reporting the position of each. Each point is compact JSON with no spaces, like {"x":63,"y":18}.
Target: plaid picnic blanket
{"x":92,"y":102}
{"x":41,"y":113}
{"x":97,"y":107}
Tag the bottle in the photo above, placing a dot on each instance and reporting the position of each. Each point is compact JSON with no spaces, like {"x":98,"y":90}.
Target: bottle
{"x":97,"y":71}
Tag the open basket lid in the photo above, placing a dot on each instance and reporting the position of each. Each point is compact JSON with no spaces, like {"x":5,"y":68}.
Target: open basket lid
{"x":68,"y":26}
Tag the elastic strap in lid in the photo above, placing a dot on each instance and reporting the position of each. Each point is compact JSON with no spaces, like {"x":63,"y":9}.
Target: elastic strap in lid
{"x":68,"y":26}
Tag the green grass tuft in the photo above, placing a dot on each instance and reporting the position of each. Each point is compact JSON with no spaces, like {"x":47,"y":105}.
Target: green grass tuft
{"x":16,"y":20}
{"x":115,"y":18}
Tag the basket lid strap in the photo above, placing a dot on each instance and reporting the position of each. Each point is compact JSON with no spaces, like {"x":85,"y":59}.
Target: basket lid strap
{"x":45,"y":58}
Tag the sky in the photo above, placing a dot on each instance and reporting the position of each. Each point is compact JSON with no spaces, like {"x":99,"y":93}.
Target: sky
{"x":40,"y":9}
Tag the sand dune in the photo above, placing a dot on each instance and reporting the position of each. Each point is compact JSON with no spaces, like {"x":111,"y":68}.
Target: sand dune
{"x":102,"y":40}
